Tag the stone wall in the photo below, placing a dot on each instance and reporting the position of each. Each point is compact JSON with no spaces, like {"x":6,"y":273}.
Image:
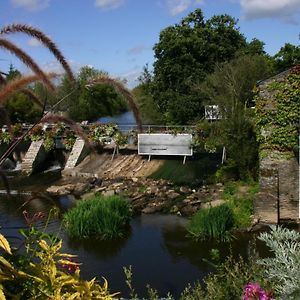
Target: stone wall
{"x":279,"y":189}
{"x":279,"y":170}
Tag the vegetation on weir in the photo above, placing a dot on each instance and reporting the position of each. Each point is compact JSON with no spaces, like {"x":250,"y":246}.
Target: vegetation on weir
{"x":101,"y":217}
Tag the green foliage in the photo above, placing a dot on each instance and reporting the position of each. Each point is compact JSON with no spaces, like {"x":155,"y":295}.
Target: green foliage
{"x":287,"y":56}
{"x":90,"y":102}
{"x":228,"y":280}
{"x":5,"y":137}
{"x":230,"y":87}
{"x":100,"y":217}
{"x":192,"y":173}
{"x":21,"y":109}
{"x":210,"y":223}
{"x":283,"y":269}
{"x":241,"y":203}
{"x":194,"y":292}
{"x":42,"y":275}
{"x":277,"y":113}
{"x":185,"y":54}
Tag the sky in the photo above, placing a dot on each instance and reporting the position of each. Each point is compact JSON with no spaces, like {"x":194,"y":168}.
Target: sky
{"x":118,"y":36}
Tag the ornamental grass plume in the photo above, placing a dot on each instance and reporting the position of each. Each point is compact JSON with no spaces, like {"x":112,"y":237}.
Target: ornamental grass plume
{"x":27,"y":60}
{"x":253,"y":291}
{"x":14,"y":85}
{"x":124,"y":92}
{"x":41,"y":37}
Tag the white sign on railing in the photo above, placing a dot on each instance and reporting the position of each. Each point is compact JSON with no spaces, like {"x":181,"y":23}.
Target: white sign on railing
{"x":165,"y":144}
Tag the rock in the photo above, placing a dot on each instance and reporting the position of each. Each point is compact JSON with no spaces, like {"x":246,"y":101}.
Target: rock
{"x":184,"y":189}
{"x":108,"y":193}
{"x":152,"y":190}
{"x":61,"y":190}
{"x":213,"y":203}
{"x":134,"y":179}
{"x":87,"y":196}
{"x":171,"y":194}
{"x":188,"y":210}
{"x":100,"y":189}
{"x":80,"y":188}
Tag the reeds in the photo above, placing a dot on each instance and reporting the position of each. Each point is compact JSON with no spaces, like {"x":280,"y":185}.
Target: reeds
{"x":100,"y":217}
{"x":211,"y":223}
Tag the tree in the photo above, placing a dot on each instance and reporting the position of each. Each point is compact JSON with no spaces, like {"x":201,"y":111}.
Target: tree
{"x":89,"y":101}
{"x":20,"y":108}
{"x":287,"y":56}
{"x":142,"y":94}
{"x":231,"y":87}
{"x":185,"y":54}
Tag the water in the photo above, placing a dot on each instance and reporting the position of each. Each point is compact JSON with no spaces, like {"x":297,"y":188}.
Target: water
{"x":126,"y":121}
{"x":156,"y":246}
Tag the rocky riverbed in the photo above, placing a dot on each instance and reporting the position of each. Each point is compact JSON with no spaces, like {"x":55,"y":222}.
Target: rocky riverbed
{"x":145,"y":195}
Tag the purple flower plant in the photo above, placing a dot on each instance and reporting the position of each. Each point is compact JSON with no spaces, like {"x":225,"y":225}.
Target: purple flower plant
{"x":253,"y":291}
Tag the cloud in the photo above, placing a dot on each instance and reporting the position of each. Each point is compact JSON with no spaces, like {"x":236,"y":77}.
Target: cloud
{"x":31,"y":5}
{"x":258,"y":9}
{"x":136,"y":50}
{"x":108,"y":4}
{"x":176,"y":7}
{"x":34,"y":43}
{"x":131,"y":77}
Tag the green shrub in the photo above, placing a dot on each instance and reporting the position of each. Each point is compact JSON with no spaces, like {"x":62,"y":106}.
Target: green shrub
{"x":283,"y":270}
{"x":213,"y":222}
{"x":228,"y":280}
{"x":103,"y":217}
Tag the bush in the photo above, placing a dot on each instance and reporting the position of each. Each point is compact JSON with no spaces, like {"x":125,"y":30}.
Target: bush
{"x":213,"y":222}
{"x":44,"y":272}
{"x":230,"y":278}
{"x":103,"y":217}
{"x":283,"y":270}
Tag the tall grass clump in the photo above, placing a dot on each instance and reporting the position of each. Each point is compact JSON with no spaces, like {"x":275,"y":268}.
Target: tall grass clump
{"x":100,"y":217}
{"x":214,"y":222}
{"x":239,"y":197}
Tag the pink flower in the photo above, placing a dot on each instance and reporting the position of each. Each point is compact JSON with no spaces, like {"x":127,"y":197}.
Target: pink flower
{"x":253,"y":291}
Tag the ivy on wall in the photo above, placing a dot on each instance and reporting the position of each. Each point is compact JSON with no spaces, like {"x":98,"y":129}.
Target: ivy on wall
{"x":277,"y":112}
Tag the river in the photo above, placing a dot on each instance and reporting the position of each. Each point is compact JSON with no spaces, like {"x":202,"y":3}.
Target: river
{"x":157,"y":246}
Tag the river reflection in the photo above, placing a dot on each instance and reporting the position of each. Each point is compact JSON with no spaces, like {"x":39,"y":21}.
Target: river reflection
{"x":156,"y":246}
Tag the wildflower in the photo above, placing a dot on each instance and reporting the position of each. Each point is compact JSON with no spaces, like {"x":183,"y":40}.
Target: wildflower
{"x":35,"y":218}
{"x":253,"y":291}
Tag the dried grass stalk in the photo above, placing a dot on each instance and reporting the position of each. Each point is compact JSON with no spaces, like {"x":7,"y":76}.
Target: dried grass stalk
{"x":13,"y":85}
{"x":125,"y":93}
{"x":27,"y":60}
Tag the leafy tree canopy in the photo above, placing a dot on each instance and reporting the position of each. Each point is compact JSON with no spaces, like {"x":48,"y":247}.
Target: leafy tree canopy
{"x":90,"y":102}
{"x":287,"y":56}
{"x":185,"y":54}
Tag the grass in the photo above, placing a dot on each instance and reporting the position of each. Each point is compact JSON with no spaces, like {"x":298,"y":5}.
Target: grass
{"x":100,"y":217}
{"x":197,"y":170}
{"x":208,"y":223}
{"x":241,"y":203}
{"x":237,"y":212}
